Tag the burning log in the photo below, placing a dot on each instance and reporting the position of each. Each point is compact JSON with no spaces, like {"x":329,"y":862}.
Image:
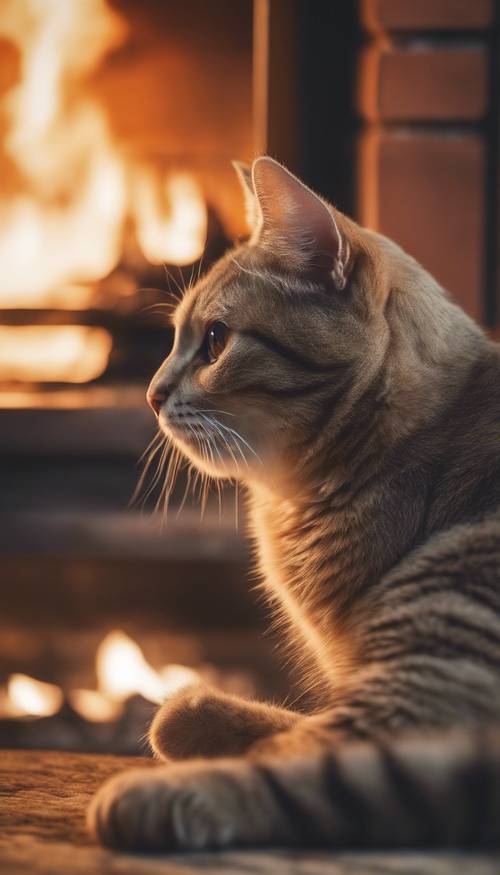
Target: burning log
{"x":68,"y":730}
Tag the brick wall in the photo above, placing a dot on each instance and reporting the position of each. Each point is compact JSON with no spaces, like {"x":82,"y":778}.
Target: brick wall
{"x":427,"y":94}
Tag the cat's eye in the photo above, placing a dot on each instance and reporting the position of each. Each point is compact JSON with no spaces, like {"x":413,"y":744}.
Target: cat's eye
{"x":215,"y":341}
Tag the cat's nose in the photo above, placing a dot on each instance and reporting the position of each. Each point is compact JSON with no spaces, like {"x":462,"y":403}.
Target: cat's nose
{"x":156,"y":399}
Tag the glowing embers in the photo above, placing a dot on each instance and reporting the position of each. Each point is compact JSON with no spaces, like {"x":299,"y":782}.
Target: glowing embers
{"x":47,"y":353}
{"x":70,"y":189}
{"x":122,"y":672}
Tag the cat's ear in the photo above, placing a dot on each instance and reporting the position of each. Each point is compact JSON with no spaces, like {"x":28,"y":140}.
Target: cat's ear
{"x":244,"y":174}
{"x":296,"y":225}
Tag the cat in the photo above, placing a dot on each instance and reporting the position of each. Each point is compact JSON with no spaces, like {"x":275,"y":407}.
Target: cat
{"x":326,"y":370}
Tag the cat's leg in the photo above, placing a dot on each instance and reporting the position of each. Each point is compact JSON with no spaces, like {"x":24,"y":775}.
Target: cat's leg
{"x":199,"y":721}
{"x":410,"y":792}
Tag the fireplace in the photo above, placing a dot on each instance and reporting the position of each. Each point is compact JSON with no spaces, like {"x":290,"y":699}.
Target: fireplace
{"x":118,"y":123}
{"x":118,"y":126}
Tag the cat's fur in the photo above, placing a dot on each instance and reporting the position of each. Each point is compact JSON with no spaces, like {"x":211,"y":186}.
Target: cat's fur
{"x":361,"y":408}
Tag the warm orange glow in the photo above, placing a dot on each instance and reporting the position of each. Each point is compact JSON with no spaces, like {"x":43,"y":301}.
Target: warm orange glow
{"x":123,"y":671}
{"x":176,"y":677}
{"x":27,"y":696}
{"x":94,"y":706}
{"x":47,"y":353}
{"x":62,"y":225}
{"x":171,"y":224}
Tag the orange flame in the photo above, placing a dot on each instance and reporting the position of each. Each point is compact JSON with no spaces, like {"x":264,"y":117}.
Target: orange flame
{"x":64,"y":224}
{"x":27,"y":696}
{"x":62,"y":353}
{"x":178,"y":238}
{"x":74,"y":187}
{"x":122,"y":671}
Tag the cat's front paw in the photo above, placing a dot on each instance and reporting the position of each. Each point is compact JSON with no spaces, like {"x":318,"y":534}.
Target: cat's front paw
{"x":127,"y":811}
{"x":199,"y":721}
{"x":188,"y":806}
{"x":145,"y":810}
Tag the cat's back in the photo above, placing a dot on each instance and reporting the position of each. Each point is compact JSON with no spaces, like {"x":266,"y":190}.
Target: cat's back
{"x":466,"y":476}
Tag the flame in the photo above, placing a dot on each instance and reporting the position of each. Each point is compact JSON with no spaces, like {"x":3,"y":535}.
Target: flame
{"x":94,"y":706}
{"x":27,"y":696}
{"x":123,"y":671}
{"x":62,"y":353}
{"x":180,"y":237}
{"x":74,"y":187}
{"x":176,"y":677}
{"x":65,"y":223}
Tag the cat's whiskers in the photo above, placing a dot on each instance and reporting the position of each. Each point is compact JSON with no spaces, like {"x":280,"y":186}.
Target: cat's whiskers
{"x":149,"y":455}
{"x":200,"y":263}
{"x":158,"y":474}
{"x":159,"y":436}
{"x":170,"y":277}
{"x":205,"y":480}
{"x":170,"y":479}
{"x":215,"y":424}
{"x":187,"y":488}
{"x":214,"y":410}
{"x":238,"y":436}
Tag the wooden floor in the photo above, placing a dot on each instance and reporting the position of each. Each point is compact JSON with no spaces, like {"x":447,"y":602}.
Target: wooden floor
{"x":43,"y":797}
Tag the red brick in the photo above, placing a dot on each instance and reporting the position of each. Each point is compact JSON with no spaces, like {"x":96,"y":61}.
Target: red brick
{"x":444,"y":84}
{"x":428,"y":197}
{"x":427,"y":14}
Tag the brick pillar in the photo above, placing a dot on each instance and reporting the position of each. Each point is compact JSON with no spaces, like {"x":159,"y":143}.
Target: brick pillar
{"x":428,"y":151}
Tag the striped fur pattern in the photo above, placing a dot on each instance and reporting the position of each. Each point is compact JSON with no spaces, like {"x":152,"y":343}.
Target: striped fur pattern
{"x":360,"y":408}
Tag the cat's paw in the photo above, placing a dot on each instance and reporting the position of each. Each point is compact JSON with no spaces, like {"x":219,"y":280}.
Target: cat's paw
{"x":187,"y":806}
{"x":199,"y":721}
{"x":146,"y":809}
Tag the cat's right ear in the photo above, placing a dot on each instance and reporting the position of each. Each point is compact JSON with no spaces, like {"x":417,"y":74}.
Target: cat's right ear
{"x":244,"y":174}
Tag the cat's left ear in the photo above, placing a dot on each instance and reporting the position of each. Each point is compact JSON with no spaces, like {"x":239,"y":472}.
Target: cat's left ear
{"x":296,"y":225}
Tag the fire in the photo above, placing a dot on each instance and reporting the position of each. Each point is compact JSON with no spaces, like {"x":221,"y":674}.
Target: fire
{"x":178,"y":238}
{"x":94,"y":706}
{"x":122,"y":672}
{"x":27,"y":696}
{"x":70,"y":189}
{"x":62,"y":353}
{"x":63,"y":223}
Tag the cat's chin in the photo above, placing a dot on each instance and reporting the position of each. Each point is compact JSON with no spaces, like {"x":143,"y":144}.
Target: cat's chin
{"x":221,"y":467}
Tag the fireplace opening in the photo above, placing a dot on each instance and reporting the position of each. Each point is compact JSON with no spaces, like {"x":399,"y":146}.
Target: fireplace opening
{"x":118,"y":124}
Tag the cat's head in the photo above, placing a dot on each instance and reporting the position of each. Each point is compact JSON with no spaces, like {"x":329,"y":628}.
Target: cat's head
{"x":283,"y":334}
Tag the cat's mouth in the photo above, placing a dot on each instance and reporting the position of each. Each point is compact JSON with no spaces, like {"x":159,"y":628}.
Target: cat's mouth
{"x":177,"y":428}
{"x":212,"y":445}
